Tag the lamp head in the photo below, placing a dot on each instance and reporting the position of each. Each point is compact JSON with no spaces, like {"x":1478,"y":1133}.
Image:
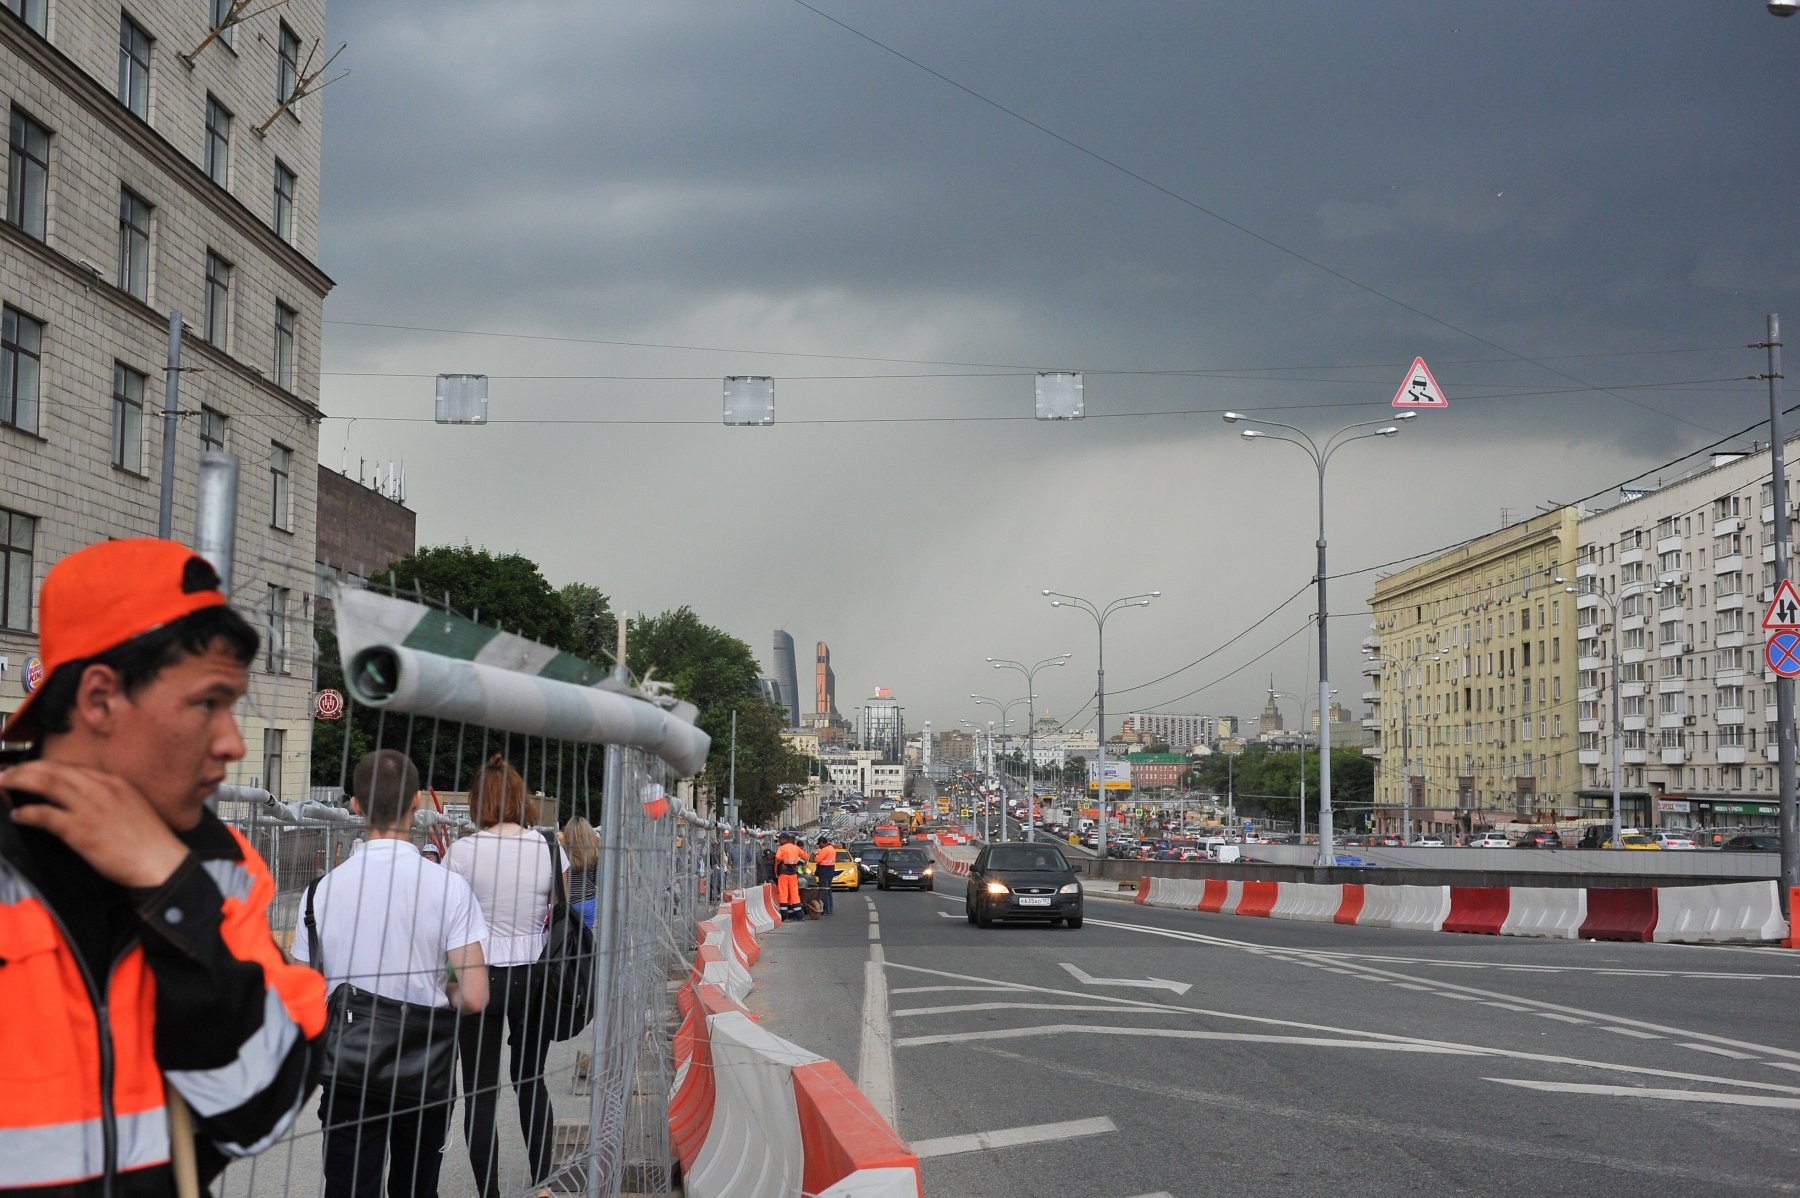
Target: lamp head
{"x":1233,"y":417}
{"x":1407,"y":416}
{"x":1389,"y":431}
{"x":1250,"y":434}
{"x":1559,"y":580}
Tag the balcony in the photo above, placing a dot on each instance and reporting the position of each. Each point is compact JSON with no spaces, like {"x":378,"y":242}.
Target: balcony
{"x":1630,"y":557}
{"x":1728,"y":525}
{"x":1633,"y":656}
{"x":1373,"y":724}
{"x":1723,"y":678}
{"x":1372,"y":751}
{"x":1371,"y":669}
{"x":1585,"y":600}
{"x":1670,"y":649}
{"x":1731,"y":563}
{"x":1772,"y":753}
{"x":1735,"y":602}
{"x":1587,"y":725}
{"x":1634,"y":723}
{"x":1372,"y":698}
{"x":1372,"y":644}
{"x":1732,"y":754}
{"x":1728,"y":640}
{"x":1771,"y":714}
{"x":1729,"y":715}
{"x":1768,"y":513}
{"x":1674,"y":756}
{"x":1635,"y":756}
{"x":1670,"y":686}
{"x":1587,"y":694}
{"x":1586,"y":567}
{"x":1668,"y":544}
{"x":1633,"y":690}
{"x":1588,"y":756}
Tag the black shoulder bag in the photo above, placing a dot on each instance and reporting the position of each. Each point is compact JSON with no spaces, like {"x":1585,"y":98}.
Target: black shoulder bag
{"x":566,"y":966}
{"x":387,"y":1048}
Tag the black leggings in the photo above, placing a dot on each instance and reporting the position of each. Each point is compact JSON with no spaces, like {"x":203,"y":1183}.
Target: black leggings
{"x":515,"y":1002}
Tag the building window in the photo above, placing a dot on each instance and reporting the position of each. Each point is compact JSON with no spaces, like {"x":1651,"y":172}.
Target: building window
{"x":274,"y":748}
{"x":28,"y":175}
{"x":218,"y":299}
{"x":18,"y":533}
{"x":128,"y":419}
{"x":287,"y":71}
{"x":221,"y":12}
{"x":21,"y":353}
{"x":134,"y":66}
{"x":286,"y":322}
{"x":284,"y":201}
{"x":218,"y":142}
{"x":281,"y":460}
{"x":276,"y":653}
{"x":29,"y":11}
{"x":134,"y":244}
{"x":213,"y":425}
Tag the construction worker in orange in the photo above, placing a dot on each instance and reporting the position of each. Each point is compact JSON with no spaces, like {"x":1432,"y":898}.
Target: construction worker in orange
{"x":825,"y":860}
{"x":787,"y":877}
{"x":152,"y":1028}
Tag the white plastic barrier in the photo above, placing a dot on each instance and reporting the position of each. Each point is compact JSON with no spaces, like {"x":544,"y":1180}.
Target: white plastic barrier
{"x":1413,"y":908}
{"x":1234,"y":894}
{"x":1308,"y":902}
{"x":1556,"y":912}
{"x":1711,"y":914}
{"x":756,"y":908}
{"x":1183,"y":894}
{"x":730,"y":971}
{"x":753,"y":1147}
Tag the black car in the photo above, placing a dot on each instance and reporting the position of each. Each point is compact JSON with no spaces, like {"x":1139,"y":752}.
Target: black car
{"x":867,"y":855}
{"x":1752,"y":842}
{"x":1539,"y":838}
{"x":1023,"y":881}
{"x":904,"y":869}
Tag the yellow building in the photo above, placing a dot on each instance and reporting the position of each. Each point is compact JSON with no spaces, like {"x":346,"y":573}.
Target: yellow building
{"x":1471,"y":661}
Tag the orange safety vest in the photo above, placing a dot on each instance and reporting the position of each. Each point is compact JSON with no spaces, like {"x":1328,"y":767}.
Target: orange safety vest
{"x":60,"y":1120}
{"x":789,"y":854}
{"x":826,"y":856}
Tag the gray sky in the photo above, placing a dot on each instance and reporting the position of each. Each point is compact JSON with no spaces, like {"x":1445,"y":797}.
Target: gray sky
{"x":1539,"y":198}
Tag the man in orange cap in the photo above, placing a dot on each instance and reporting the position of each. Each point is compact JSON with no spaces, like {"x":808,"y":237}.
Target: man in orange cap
{"x":139,"y":960}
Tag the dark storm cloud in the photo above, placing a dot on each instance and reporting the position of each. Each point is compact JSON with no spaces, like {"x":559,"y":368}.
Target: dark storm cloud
{"x":1554,"y":179}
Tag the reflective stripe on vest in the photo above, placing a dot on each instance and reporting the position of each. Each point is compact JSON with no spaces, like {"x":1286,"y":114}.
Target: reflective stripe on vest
{"x":214,"y":1091}
{"x":67,"y":1152}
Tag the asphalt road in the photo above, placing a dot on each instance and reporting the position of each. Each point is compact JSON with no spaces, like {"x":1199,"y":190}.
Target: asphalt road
{"x":1267,"y":1057}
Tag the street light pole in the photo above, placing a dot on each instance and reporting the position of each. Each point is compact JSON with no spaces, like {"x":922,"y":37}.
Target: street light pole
{"x":1300,"y":824}
{"x":1321,"y":455}
{"x":1784,"y":687}
{"x":1005,"y":720}
{"x":1099,"y":614}
{"x":1030,"y":672}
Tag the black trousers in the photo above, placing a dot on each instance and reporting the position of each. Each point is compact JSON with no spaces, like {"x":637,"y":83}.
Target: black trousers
{"x":516,"y":1009}
{"x":359,"y":1137}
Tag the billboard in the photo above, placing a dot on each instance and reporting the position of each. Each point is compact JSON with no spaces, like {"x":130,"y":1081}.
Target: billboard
{"x":1118,"y":775}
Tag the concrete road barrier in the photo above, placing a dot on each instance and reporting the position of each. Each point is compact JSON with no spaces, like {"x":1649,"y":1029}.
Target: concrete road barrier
{"x":1620,"y":913}
{"x":1308,"y":902}
{"x":1712,"y":914}
{"x":1480,"y":910}
{"x":1258,"y":898}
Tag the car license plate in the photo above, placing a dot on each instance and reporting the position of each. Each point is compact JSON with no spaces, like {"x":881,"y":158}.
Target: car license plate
{"x":1033,"y":900}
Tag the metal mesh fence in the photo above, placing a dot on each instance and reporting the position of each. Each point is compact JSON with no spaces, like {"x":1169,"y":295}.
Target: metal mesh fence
{"x":530,"y":1107}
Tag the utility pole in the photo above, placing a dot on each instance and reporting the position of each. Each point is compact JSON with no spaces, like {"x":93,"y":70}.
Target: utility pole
{"x":1784,"y":687}
{"x":165,"y":511}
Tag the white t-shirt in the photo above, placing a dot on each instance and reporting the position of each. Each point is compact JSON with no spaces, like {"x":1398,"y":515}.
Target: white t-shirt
{"x":386,"y":918}
{"x":511,"y":876}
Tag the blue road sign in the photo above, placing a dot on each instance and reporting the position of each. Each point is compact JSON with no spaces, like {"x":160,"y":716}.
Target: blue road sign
{"x":1783,"y":653}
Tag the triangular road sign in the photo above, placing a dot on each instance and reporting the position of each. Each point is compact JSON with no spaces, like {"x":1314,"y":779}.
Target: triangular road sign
{"x":1784,"y":609}
{"x":1419,"y":390}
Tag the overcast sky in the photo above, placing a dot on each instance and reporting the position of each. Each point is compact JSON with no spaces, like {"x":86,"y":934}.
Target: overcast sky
{"x":1579,"y":214}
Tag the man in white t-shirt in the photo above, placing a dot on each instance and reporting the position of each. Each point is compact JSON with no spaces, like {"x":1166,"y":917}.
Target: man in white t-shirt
{"x":389,"y":922}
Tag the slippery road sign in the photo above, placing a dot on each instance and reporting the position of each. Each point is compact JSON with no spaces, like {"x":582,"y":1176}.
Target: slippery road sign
{"x":1419,"y":390}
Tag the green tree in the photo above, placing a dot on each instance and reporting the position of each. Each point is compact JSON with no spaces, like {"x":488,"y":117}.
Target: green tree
{"x":596,"y":627}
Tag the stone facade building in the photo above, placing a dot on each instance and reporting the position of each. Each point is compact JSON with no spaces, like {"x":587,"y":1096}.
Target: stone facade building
{"x":154,"y":168}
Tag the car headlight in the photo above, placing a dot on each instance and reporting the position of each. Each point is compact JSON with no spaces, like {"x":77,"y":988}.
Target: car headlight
{"x":928,"y":871}
{"x":1070,"y":888}
{"x":996,"y":888}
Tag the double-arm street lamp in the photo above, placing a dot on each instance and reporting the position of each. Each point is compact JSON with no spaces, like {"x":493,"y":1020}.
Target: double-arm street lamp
{"x":1100,"y":614}
{"x":1406,"y":774}
{"x":1030,"y":672}
{"x":1005,"y":720}
{"x":1321,"y":454}
{"x":1612,"y":609}
{"x":1308,"y":701}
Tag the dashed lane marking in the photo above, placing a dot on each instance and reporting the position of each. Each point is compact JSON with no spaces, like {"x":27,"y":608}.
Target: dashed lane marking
{"x":1722,"y":1052}
{"x":1012,"y":1137}
{"x":1632,"y":1032}
{"x":1559,"y":1017}
{"x":1761,"y":1100}
{"x":1504,"y":1006}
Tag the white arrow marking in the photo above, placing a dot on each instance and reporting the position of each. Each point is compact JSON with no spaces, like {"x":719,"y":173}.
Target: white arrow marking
{"x":1087,"y":979}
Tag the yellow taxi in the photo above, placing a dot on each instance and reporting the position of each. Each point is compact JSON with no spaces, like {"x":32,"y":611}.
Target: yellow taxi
{"x":1633,"y":840}
{"x":845,"y":875}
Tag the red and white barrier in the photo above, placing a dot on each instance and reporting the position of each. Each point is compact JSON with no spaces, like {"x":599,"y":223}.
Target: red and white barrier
{"x":754,"y":1116}
{"x":1738,"y":911}
{"x":956,"y":865}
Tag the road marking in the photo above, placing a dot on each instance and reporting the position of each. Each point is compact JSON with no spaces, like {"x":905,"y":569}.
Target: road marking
{"x":875,"y":1063}
{"x":1012,"y":1137}
{"x":1015,"y":1006}
{"x":874,"y":934}
{"x":1504,"y":1006}
{"x":1087,"y":979}
{"x":1632,"y":1032}
{"x":1224,"y":942}
{"x":1360,"y":1034}
{"x":1410,"y":986}
{"x":946,"y":915}
{"x":1067,"y":1029}
{"x":1558,"y":1017}
{"x":998,"y":988}
{"x":1726,"y":1052}
{"x":1457,"y":997}
{"x":1158,"y":1194}
{"x":1762,"y":1100}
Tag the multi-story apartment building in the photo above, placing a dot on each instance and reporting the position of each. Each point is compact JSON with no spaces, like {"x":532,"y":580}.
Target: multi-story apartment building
{"x":162,"y":157}
{"x":1180,"y":731}
{"x":1678,"y":579}
{"x":1472,"y":669}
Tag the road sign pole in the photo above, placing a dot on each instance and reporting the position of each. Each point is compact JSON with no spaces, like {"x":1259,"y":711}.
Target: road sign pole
{"x":1784,"y":686}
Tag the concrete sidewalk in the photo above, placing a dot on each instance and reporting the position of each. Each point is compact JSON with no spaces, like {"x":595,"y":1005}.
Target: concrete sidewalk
{"x":809,"y":983}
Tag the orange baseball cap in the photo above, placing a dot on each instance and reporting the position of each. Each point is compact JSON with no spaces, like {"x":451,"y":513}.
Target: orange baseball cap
{"x":102,"y":596}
